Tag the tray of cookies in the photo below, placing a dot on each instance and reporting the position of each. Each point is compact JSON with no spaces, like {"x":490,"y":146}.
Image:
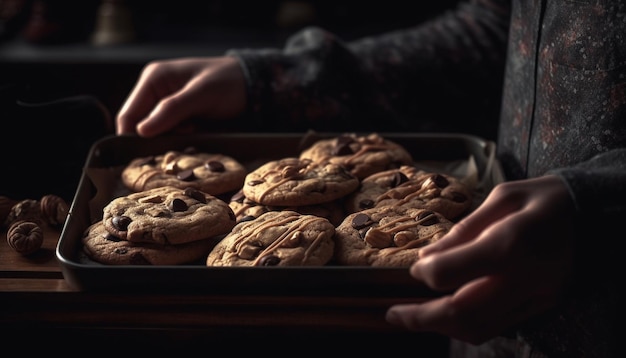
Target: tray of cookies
{"x":274,"y":213}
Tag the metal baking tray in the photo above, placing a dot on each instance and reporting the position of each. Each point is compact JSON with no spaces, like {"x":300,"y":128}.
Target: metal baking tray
{"x":99,"y":183}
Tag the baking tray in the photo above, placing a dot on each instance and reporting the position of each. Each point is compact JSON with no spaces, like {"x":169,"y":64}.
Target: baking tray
{"x":99,"y":183}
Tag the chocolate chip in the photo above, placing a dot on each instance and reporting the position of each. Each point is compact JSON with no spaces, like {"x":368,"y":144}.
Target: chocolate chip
{"x":247,"y":218}
{"x":269,"y":260}
{"x":186,"y":175}
{"x":178,"y":205}
{"x":121,"y":222}
{"x":215,"y":166}
{"x":342,"y":149}
{"x":255,"y":182}
{"x":440,"y":180}
{"x":398,"y":179}
{"x":238,"y":197}
{"x":195,"y":194}
{"x":366,"y":204}
{"x":428,"y":217}
{"x":360,"y":221}
{"x":113,"y":238}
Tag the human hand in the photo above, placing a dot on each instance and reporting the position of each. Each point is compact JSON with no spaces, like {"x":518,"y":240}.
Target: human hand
{"x":509,"y":260}
{"x":170,"y":92}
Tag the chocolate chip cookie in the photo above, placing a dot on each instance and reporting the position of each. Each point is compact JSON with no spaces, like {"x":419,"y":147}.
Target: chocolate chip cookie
{"x":167,"y":215}
{"x":276,"y":238}
{"x":211,"y":173}
{"x":387,"y":236}
{"x":102,"y":247}
{"x":362,"y":155}
{"x":298,"y":182}
{"x":246,"y":209}
{"x":411,"y":187}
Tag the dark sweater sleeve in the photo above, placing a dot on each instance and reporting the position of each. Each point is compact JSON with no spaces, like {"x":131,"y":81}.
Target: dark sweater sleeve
{"x":588,"y":322}
{"x":598,"y":188}
{"x":410,"y":79}
{"x":598,"y":185}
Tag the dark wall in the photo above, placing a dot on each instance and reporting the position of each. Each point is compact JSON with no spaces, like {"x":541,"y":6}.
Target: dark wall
{"x":59,"y":58}
{"x":62,"y":21}
{"x":47,"y":56}
{"x":341,"y":16}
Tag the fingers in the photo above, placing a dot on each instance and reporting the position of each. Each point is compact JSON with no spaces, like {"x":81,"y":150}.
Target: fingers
{"x":168,"y":113}
{"x":140,"y":102}
{"x":483,"y":309}
{"x":170,"y":92}
{"x":148,"y":112}
{"x":508,"y":261}
{"x":495,"y":207}
{"x":501,"y":245}
{"x":510,"y":229}
{"x":213,"y":94}
{"x":519,"y":213}
{"x":494,"y":250}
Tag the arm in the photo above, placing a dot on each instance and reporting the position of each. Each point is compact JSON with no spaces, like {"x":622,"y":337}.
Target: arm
{"x":318,"y":81}
{"x":399,"y":81}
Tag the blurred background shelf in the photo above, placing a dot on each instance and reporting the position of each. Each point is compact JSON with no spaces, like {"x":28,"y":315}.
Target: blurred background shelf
{"x":51,"y":44}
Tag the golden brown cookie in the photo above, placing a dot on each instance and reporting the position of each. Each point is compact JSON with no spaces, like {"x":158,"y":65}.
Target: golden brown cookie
{"x":167,"y":215}
{"x":211,"y":173}
{"x":411,"y":187}
{"x":387,"y":236}
{"x":246,"y":209}
{"x":298,"y":182}
{"x":100,"y":246}
{"x":362,"y":155}
{"x":276,"y":238}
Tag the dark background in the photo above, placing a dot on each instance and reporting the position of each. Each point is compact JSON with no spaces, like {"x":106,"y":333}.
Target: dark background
{"x":48,"y":44}
{"x":59,"y":88}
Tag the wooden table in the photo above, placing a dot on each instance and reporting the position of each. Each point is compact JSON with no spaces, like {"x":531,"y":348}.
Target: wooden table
{"x":36,"y":301}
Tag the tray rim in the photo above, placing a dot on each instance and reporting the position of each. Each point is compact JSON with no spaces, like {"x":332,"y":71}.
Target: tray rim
{"x":79,"y":275}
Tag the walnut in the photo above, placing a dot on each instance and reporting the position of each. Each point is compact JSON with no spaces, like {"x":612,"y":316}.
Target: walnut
{"x":378,"y":238}
{"x":27,"y":209}
{"x":25,"y":237}
{"x":6,"y":204}
{"x":54,"y":209}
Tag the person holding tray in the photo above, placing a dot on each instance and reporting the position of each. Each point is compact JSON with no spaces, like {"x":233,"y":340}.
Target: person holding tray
{"x":532,"y":272}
